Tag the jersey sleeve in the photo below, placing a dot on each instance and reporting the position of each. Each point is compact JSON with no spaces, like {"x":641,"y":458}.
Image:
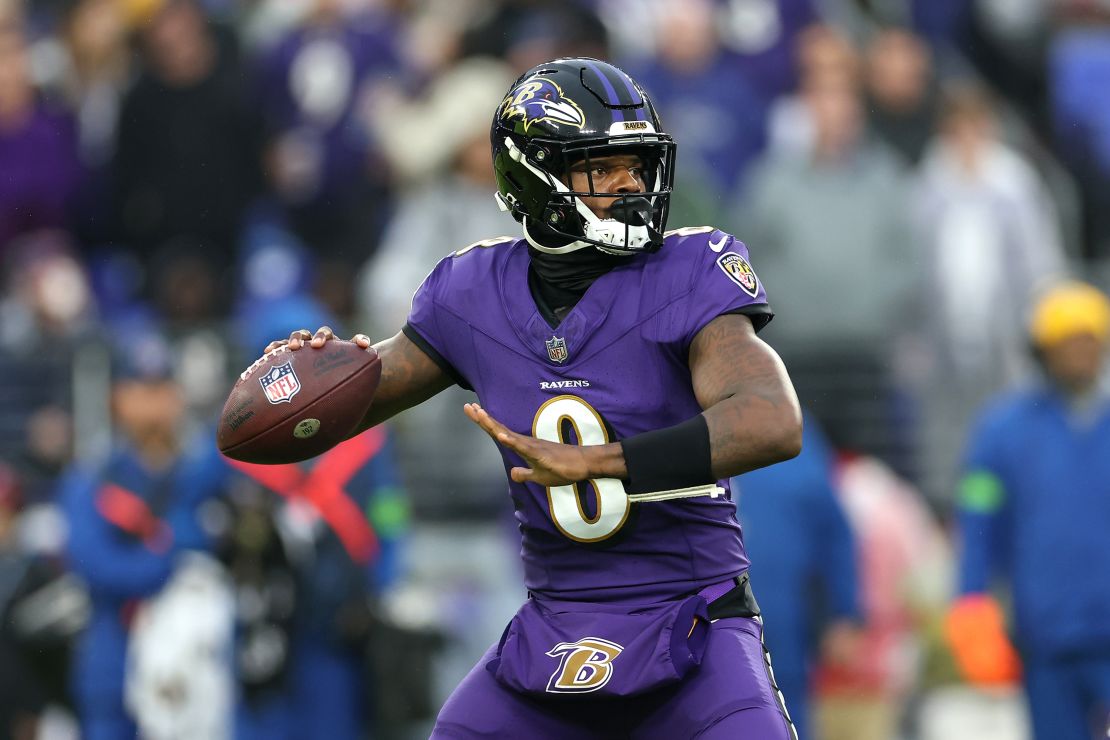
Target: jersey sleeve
{"x":723,"y":282}
{"x":426,"y":327}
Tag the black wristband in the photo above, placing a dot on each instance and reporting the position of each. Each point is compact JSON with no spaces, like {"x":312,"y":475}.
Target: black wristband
{"x":666,"y":459}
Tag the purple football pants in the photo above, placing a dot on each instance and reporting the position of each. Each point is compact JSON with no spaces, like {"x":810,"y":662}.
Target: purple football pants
{"x":730,"y":696}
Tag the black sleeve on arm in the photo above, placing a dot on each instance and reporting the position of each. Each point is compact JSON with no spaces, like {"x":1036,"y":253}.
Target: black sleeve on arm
{"x":436,"y":357}
{"x":666,"y":459}
{"x":760,"y":314}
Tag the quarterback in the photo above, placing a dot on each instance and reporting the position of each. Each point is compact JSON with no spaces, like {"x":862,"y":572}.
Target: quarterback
{"x":617,"y":367}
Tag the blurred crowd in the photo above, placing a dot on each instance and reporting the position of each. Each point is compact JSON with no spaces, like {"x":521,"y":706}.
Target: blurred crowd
{"x":182,"y":181}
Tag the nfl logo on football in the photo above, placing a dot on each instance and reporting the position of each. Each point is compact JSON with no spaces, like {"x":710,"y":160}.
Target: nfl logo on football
{"x":280,"y":384}
{"x":556,"y":349}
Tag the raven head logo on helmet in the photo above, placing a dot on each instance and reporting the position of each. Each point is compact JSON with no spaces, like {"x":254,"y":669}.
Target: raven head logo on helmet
{"x":561,"y":116}
{"x":539,"y":99}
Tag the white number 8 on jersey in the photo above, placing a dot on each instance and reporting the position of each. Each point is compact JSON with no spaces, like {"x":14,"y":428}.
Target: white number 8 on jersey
{"x":563,"y":501}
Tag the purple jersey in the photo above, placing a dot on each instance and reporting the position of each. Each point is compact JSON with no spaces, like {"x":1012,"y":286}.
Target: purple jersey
{"x":616,"y":366}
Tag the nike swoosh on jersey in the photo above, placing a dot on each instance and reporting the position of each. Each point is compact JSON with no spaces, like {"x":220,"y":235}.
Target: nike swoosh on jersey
{"x":719,"y":245}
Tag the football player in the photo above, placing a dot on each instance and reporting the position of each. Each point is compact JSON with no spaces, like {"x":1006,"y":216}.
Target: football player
{"x":618,"y":369}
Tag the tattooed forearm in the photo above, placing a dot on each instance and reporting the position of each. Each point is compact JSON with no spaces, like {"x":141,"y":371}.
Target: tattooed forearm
{"x":409,"y":377}
{"x":750,"y":404}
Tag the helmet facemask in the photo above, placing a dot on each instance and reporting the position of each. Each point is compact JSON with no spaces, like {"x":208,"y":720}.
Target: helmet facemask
{"x":565,"y":223}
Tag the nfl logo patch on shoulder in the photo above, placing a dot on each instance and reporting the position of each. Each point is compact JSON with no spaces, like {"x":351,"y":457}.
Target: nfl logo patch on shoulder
{"x":556,"y":349}
{"x":739,"y":272}
{"x":280,"y":384}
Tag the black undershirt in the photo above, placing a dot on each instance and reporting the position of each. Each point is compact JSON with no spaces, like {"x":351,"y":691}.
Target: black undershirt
{"x":553,"y":303}
{"x":558,"y":281}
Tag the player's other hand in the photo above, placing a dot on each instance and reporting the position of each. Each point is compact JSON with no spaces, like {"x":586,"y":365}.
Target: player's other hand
{"x":550,"y":463}
{"x":301,"y":337}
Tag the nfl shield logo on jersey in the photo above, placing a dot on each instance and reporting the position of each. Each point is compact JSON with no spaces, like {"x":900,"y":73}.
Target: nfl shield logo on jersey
{"x":556,"y":349}
{"x":280,"y":384}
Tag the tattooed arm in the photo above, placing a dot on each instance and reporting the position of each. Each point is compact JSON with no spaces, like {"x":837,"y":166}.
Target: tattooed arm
{"x":409,"y":376}
{"x":750,"y":406}
{"x":750,"y":409}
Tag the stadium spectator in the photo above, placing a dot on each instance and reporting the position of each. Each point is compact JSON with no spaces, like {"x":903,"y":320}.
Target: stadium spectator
{"x":828,"y":225}
{"x":1032,"y":513}
{"x":187,"y":161}
{"x":325,"y":169}
{"x":990,"y":240}
{"x":46,"y":312}
{"x":38,"y":147}
{"x":902,"y":100}
{"x":824,"y":54}
{"x":95,"y":37}
{"x":130,"y":517}
{"x":798,"y":537}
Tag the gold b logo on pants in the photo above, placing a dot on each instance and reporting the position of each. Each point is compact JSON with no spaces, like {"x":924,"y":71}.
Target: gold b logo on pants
{"x":586,"y":665}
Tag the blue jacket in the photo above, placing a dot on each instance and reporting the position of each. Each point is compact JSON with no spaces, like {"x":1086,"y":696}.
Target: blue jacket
{"x":801,"y":547}
{"x":1034,"y":511}
{"x":120,"y":566}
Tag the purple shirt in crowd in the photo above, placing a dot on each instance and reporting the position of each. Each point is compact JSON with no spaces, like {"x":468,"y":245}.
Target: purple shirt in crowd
{"x":39,"y":171}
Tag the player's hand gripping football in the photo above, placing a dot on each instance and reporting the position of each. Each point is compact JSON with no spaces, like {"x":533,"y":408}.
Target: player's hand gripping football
{"x":551,"y":463}
{"x":301,"y":337}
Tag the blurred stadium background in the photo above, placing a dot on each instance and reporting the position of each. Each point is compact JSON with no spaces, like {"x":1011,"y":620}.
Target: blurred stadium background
{"x":202,"y":176}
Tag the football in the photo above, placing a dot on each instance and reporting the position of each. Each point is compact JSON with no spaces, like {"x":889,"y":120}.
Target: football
{"x":292,"y":405}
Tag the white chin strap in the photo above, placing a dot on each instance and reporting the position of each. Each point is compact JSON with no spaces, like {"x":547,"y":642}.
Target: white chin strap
{"x":604,"y":230}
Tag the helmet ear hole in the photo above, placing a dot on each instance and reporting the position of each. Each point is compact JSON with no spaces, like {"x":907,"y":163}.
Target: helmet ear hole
{"x":539,"y":153}
{"x":561,"y":216}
